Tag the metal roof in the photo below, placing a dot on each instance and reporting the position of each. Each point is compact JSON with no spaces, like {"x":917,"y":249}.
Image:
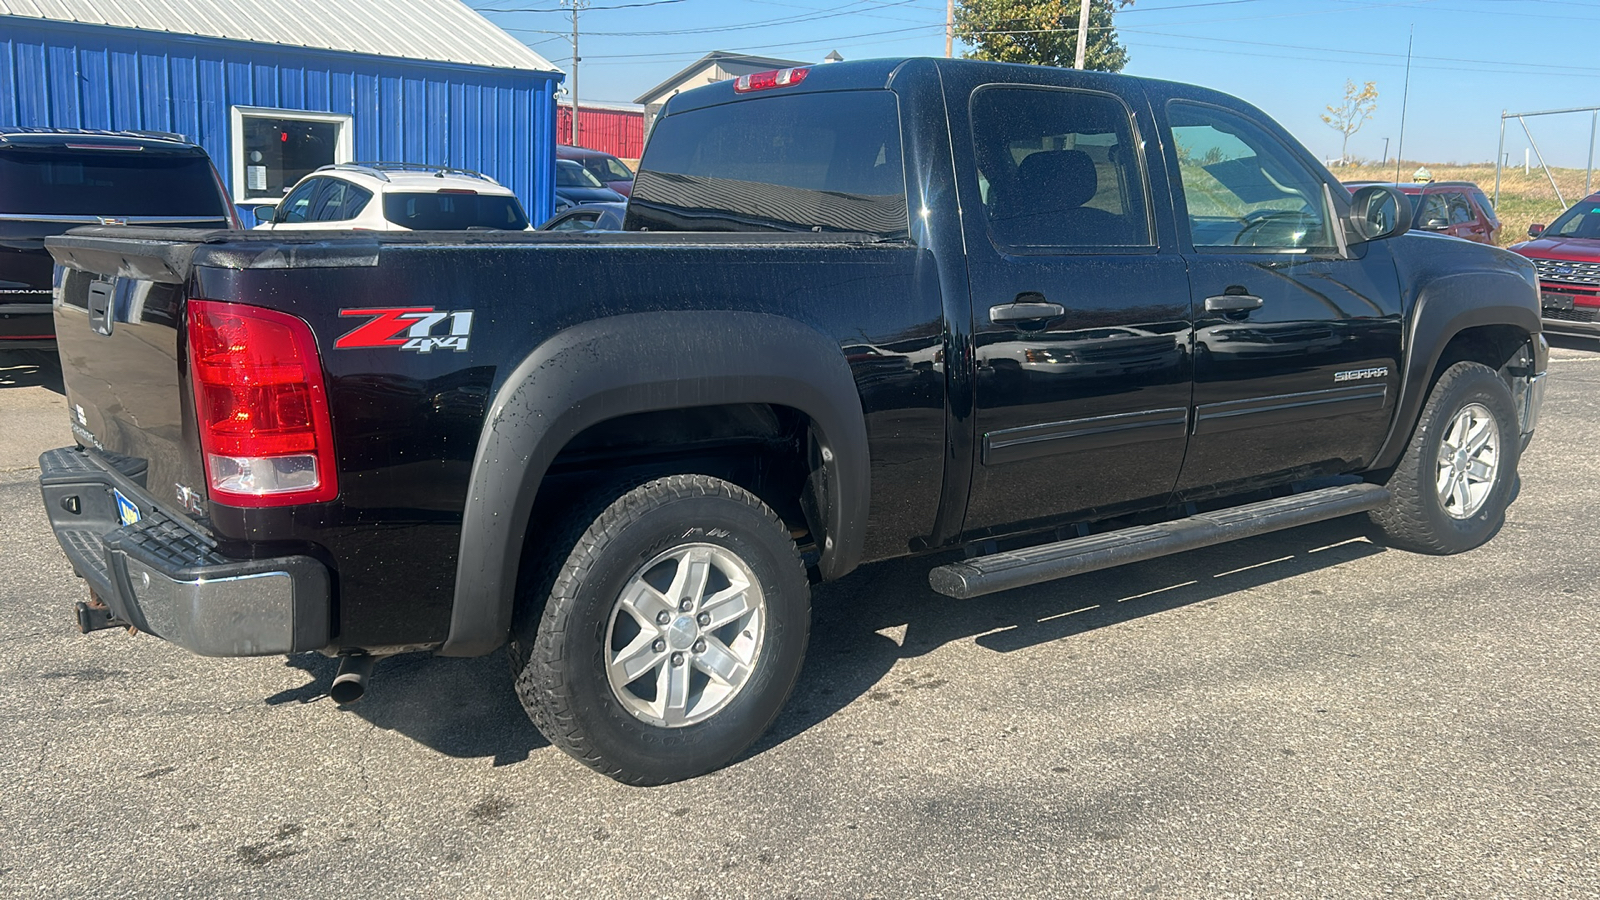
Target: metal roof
{"x":439,"y":30}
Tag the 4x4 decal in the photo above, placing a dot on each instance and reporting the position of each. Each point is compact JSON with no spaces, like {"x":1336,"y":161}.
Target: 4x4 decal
{"x":407,"y":328}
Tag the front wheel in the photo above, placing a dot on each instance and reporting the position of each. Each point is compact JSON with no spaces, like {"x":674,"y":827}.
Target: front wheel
{"x":672,"y":634}
{"x":1452,"y":487}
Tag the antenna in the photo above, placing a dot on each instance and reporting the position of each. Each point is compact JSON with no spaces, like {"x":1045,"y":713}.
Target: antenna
{"x":1405,"y":95}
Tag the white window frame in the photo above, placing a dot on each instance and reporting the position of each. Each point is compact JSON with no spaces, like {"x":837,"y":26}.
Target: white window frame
{"x":343,"y":149}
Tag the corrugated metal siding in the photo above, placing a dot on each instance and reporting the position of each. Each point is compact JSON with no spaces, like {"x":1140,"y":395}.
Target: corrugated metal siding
{"x":498,"y":122}
{"x":440,"y":30}
{"x":617,"y":132}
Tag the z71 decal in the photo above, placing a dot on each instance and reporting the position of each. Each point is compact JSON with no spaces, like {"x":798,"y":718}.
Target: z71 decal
{"x":408,"y":328}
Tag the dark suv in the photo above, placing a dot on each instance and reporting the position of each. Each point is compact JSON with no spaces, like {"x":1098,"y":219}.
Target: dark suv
{"x":1456,"y":208}
{"x":1567,"y":254}
{"x":54,"y":179}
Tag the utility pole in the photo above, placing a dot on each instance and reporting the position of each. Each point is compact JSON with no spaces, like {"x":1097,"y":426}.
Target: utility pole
{"x":576,"y":6}
{"x":1083,"y":32}
{"x":949,"y":27}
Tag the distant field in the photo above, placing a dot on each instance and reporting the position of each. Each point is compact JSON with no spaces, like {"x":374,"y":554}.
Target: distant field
{"x":1523,"y":198}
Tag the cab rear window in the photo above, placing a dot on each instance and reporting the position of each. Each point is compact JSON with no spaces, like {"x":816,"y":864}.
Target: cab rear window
{"x":65,"y":182}
{"x":804,"y":162}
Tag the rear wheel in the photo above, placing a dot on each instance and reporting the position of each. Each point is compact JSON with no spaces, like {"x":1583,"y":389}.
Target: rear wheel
{"x":1457,"y":477}
{"x":672,"y":634}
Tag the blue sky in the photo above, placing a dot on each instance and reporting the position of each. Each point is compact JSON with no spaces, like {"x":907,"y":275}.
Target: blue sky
{"x":1472,"y":59}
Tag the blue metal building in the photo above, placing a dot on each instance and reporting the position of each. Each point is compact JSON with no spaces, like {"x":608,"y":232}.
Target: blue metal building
{"x":274,"y":88}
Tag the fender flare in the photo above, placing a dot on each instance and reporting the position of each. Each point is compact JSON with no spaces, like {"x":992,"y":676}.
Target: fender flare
{"x":1446,"y":306}
{"x":645,"y":362}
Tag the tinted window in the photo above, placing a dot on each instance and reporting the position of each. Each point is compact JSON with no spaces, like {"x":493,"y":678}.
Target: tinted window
{"x":1484,"y":206}
{"x":339,"y":202}
{"x":113,"y":183}
{"x":577,"y":222}
{"x":794,"y":163}
{"x":1243,"y":187}
{"x":1058,"y":168}
{"x":608,"y":168}
{"x":297,"y":206}
{"x":454,"y":212}
{"x":571,"y":174}
{"x":1581,"y":221}
{"x":1433,"y":212}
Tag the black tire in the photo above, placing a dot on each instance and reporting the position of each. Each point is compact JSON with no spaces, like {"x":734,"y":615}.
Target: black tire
{"x":561,"y":660}
{"x":1416,"y":518}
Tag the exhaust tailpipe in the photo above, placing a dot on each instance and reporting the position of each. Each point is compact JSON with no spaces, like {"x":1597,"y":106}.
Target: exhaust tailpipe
{"x":351,"y":682}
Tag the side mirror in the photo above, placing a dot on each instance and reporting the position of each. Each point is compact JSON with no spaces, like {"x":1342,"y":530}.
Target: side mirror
{"x":1435,"y":225}
{"x":1378,"y":212}
{"x":1535,"y":230}
{"x":264,"y":214}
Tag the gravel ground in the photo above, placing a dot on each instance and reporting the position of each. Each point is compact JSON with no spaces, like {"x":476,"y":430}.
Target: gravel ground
{"x":1303,"y":714}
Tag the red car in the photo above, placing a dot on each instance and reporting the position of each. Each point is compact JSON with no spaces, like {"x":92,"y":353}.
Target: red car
{"x":612,"y":172}
{"x":1456,"y":208}
{"x":1567,"y":254}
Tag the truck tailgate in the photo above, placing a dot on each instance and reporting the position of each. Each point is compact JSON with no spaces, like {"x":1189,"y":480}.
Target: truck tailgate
{"x":118,"y":322}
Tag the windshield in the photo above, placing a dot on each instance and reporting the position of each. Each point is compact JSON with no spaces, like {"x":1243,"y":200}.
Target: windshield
{"x":454,"y":212}
{"x":1581,"y":221}
{"x":570,"y":174}
{"x":116,"y":183}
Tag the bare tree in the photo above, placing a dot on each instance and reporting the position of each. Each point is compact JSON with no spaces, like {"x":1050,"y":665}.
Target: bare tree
{"x":1348,"y":117}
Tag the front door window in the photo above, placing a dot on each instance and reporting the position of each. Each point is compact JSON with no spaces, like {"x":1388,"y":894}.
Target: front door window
{"x":1243,"y":188}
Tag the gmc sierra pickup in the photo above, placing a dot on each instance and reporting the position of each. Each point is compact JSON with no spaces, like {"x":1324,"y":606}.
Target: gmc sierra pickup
{"x":1060,"y":320}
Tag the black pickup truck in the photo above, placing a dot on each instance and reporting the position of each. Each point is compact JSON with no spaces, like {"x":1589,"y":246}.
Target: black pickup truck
{"x":1059,"y":320}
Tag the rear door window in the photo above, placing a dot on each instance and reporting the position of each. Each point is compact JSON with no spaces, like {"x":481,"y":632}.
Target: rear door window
{"x":339,"y":202}
{"x":799,"y":162}
{"x":133,"y":182}
{"x":297,"y":207}
{"x":1059,"y":169}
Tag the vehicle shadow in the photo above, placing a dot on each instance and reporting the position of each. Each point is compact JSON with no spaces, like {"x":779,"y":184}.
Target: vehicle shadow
{"x":881,"y":614}
{"x":463,"y":708}
{"x":31,"y":368}
{"x":862,"y":626}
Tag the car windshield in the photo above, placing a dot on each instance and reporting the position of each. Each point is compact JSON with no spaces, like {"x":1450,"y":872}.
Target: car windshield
{"x":454,"y":211}
{"x":1581,"y":221}
{"x":110,"y":183}
{"x":573,"y":175}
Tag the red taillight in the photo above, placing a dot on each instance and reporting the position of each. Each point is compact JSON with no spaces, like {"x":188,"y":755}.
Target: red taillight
{"x":760,"y":81}
{"x":457,"y":191}
{"x":261,"y":406}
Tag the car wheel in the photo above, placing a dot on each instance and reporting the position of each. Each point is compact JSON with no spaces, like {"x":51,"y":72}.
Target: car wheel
{"x":1458,"y":474}
{"x":672,"y":632}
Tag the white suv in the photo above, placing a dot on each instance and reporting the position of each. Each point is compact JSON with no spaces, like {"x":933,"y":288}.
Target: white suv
{"x":395,"y":197}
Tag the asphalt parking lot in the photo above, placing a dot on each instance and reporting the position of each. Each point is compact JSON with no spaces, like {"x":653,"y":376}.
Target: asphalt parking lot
{"x":1304,"y":714}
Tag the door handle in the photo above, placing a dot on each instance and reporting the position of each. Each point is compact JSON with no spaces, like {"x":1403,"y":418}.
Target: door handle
{"x":1232,"y":302}
{"x":1028,"y":307}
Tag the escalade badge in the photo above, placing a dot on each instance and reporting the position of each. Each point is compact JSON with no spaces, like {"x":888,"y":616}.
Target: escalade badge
{"x":407,"y":328}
